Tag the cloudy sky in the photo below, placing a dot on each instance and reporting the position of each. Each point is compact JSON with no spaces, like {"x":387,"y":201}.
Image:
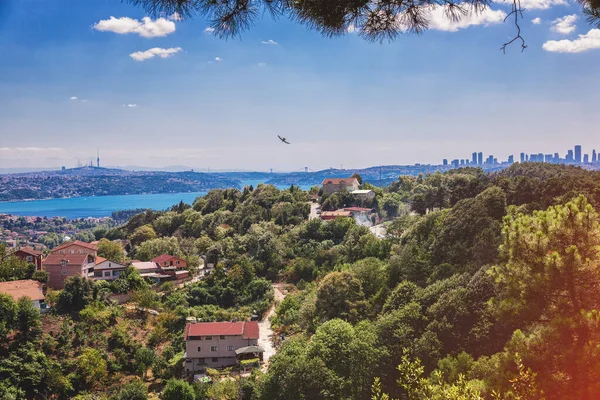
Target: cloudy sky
{"x":76,"y":76}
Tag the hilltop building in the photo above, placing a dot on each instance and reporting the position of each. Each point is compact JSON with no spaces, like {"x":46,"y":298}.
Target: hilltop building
{"x":25,"y":288}
{"x":220,"y":344}
{"x":334,"y":185}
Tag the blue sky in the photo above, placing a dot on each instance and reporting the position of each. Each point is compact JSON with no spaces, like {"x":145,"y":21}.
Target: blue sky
{"x":342,"y":101}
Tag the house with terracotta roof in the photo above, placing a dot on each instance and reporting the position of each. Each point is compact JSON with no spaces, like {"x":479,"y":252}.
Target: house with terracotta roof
{"x":329,"y":215}
{"x":167,"y":260}
{"x":334,"y":185}
{"x":107,"y":270}
{"x":76,"y":247}
{"x":220,"y":344}
{"x":62,"y":265}
{"x":24,"y":288}
{"x":363,"y":194}
{"x":30,"y":255}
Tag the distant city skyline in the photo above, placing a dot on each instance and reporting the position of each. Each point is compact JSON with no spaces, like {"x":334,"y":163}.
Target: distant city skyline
{"x":572,"y":156}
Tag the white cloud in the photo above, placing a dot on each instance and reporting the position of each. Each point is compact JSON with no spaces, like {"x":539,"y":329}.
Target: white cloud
{"x":564,"y":25}
{"x":262,"y":64}
{"x":536,"y":21}
{"x":218,"y":59}
{"x":535,"y":4}
{"x":209,"y":30}
{"x":352,"y":28}
{"x":589,"y":41}
{"x":176,"y":17}
{"x":270,"y":41}
{"x":146,"y":28}
{"x":156,"y":51}
{"x":74,"y":98}
{"x":84,"y":101}
{"x":439,"y":20}
{"x":130,"y":105}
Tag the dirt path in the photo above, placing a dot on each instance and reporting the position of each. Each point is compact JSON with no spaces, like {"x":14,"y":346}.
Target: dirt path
{"x":265,"y":332}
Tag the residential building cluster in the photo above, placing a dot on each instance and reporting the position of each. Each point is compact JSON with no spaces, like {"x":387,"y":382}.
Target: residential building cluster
{"x":574,"y":156}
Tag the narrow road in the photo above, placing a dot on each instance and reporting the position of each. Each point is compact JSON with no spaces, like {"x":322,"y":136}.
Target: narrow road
{"x":264,"y":327}
{"x":313,"y":211}
{"x":378,"y":230}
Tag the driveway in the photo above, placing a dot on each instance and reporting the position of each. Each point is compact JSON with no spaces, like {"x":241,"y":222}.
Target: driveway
{"x":264,"y":327}
{"x":313,"y":211}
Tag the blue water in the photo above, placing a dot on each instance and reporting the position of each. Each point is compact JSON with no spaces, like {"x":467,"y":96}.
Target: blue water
{"x":99,"y":206}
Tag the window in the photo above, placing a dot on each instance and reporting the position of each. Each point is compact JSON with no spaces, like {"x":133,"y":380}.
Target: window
{"x":201,"y":361}
{"x":109,"y":265}
{"x":222,"y":337}
{"x":64,"y":271}
{"x":63,"y":263}
{"x":98,"y":274}
{"x":199,"y":349}
{"x":177,"y":262}
{"x":209,"y":338}
{"x":229,"y":348}
{"x":116,"y":273}
{"x":29,"y":258}
{"x":214,"y":348}
{"x":215,"y":359}
{"x":106,"y":273}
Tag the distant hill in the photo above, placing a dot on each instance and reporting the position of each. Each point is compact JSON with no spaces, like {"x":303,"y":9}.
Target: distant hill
{"x":93,"y":181}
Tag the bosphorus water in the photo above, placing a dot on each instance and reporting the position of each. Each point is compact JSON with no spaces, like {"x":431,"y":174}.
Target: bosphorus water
{"x":102,"y":206}
{"x":97,"y":206}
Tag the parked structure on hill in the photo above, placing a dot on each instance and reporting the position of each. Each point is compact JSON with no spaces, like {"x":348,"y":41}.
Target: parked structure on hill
{"x":220,"y":344}
{"x":333,"y":185}
{"x":25,"y":288}
{"x":107,"y":270}
{"x":75,"y":258}
{"x":30,"y":255}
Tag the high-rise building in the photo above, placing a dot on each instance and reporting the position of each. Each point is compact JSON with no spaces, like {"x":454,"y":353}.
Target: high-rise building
{"x":569,"y":158}
{"x":511,"y":159}
{"x":522,"y":157}
{"x":445,"y":162}
{"x":556,"y":158}
{"x":479,"y":158}
{"x":594,"y":156}
{"x":455,"y":163}
{"x":586,"y":158}
{"x":462,"y":162}
{"x":578,"y":154}
{"x":474,"y":158}
{"x":548,"y":158}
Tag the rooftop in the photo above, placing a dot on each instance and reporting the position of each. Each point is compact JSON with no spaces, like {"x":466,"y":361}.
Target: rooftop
{"x":73,"y":259}
{"x":361,"y":191}
{"x":164,"y":257}
{"x":143,"y":265}
{"x":29,"y":250}
{"x":337,"y":181}
{"x":25,"y":288}
{"x":77,"y":243}
{"x":248,"y":329}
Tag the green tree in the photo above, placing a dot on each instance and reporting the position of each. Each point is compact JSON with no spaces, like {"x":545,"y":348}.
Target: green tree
{"x":76,"y":294}
{"x":92,"y":366}
{"x":135,"y":390}
{"x":28,"y":320}
{"x":111,"y":251}
{"x":143,"y":359}
{"x":155,"y":247}
{"x":8,"y":315}
{"x":142,"y":234}
{"x":178,"y":390}
{"x":340,"y":295}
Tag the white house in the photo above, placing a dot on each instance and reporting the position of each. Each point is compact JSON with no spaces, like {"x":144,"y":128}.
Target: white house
{"x":107,"y":270}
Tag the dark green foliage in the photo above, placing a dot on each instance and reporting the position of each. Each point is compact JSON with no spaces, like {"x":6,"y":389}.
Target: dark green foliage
{"x":178,"y":390}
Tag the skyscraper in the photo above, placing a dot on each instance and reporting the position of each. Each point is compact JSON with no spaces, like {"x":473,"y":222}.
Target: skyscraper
{"x":569,"y":157}
{"x":511,"y":159}
{"x":479,"y":158}
{"x":594,"y":156}
{"x":578,"y":154}
{"x":445,"y":162}
{"x":474,"y":159}
{"x":522,"y":157}
{"x":586,"y":158}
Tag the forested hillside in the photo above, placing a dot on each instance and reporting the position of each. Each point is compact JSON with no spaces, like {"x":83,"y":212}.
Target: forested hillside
{"x":485,"y":287}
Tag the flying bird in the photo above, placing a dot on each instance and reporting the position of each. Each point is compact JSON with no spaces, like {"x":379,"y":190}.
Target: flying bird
{"x":284,"y":140}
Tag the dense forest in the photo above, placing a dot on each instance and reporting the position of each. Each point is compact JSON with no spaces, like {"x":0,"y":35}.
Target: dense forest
{"x":485,"y":287}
